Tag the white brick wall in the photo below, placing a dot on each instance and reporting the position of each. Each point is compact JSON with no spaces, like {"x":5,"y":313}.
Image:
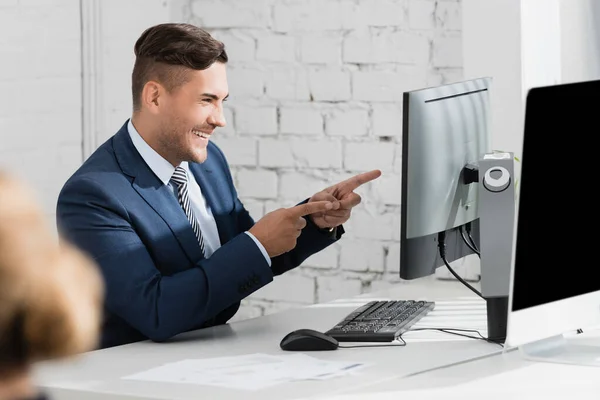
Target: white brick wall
{"x":290,"y":83}
{"x":329,"y":84}
{"x":40,"y":106}
{"x":321,"y":48}
{"x":253,"y":120}
{"x":41,"y":126}
{"x":122,"y":22}
{"x":316,"y":96}
{"x":348,"y":120}
{"x":303,"y":289}
{"x":297,"y":119}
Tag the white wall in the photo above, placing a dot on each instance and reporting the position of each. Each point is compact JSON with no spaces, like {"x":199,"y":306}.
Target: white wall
{"x":46,"y":90}
{"x":114,"y":26}
{"x":540,"y":43}
{"x":580,"y":40}
{"x":492,"y":47}
{"x":518,"y":43}
{"x":526,"y":43}
{"x":40,"y":86}
{"x":316,"y":96}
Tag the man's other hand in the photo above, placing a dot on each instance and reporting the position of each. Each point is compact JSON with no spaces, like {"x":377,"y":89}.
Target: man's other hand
{"x":279,"y":230}
{"x":343,"y":199}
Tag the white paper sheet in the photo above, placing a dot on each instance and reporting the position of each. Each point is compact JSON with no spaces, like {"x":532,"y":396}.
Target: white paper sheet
{"x":247,"y":372}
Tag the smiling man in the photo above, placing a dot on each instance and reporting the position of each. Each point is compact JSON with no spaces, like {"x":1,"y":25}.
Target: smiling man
{"x":156,"y":206}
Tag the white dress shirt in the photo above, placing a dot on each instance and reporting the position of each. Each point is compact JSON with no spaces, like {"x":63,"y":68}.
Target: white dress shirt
{"x":164,"y":171}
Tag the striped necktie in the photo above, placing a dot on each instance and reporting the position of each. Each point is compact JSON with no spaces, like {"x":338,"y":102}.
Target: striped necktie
{"x":180,"y":179}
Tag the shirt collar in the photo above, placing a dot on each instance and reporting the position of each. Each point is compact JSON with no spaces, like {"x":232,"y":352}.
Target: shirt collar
{"x":161,"y":167}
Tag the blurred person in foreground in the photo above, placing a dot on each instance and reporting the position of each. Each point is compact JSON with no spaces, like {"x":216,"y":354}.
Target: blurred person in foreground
{"x":50,"y":293}
{"x":157,"y":208}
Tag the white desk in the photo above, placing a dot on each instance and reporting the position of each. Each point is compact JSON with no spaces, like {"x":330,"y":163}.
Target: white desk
{"x":97,"y":375}
{"x":506,"y":376}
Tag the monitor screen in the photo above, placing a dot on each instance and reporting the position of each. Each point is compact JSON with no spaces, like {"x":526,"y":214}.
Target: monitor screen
{"x":556,"y":249}
{"x":445,"y":128}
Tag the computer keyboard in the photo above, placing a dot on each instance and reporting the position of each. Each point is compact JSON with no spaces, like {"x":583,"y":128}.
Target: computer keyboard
{"x":380,"y":321}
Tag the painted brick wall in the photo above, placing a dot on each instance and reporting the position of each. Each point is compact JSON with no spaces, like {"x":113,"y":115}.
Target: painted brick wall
{"x":316,"y":89}
{"x":40,"y":82}
{"x":316,"y":96}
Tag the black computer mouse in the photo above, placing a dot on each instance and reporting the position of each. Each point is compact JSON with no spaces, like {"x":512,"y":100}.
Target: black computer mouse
{"x":308,"y":340}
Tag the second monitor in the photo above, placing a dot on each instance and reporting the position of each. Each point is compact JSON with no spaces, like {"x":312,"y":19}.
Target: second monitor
{"x":450,"y":177}
{"x":446,"y":140}
{"x":445,"y":129}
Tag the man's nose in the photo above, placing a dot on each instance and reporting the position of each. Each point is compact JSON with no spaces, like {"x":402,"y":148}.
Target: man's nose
{"x":218,"y":118}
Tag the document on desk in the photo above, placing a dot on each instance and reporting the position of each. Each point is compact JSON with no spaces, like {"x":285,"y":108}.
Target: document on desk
{"x":247,"y":372}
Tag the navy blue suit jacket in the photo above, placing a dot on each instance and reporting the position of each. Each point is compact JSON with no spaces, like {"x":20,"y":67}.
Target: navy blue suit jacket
{"x":158,"y":283}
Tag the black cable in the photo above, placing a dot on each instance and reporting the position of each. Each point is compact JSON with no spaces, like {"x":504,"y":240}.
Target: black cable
{"x":461,"y":280}
{"x":454,"y":331}
{"x":469,"y":242}
{"x":377,"y":345}
{"x":468,"y":229}
{"x":442,"y":249}
{"x":451,"y":331}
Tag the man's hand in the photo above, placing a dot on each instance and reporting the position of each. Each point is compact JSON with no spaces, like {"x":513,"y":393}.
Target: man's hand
{"x":342,"y":197}
{"x":278,"y":230}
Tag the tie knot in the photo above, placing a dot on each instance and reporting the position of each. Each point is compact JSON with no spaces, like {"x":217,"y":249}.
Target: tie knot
{"x":179,"y":176}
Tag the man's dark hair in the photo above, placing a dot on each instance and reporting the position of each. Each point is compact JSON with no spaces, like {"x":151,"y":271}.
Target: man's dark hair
{"x":166,"y":52}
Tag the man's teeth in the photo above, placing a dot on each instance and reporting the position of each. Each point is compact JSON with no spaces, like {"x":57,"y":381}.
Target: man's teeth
{"x":201,"y":134}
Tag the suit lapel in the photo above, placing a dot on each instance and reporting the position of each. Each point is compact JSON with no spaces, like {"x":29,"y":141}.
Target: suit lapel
{"x":206,"y":180}
{"x":159,"y":196}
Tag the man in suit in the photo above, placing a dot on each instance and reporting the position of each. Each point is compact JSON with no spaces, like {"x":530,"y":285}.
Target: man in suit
{"x":157,"y":209}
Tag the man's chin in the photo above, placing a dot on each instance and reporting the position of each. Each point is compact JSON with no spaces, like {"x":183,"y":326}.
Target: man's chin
{"x":199,"y":157}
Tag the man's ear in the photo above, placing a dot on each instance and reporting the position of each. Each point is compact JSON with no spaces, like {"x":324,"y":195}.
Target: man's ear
{"x":152,"y":95}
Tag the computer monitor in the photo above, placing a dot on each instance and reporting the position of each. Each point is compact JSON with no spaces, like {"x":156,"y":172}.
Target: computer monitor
{"x":554,"y":287}
{"x":446,"y":131}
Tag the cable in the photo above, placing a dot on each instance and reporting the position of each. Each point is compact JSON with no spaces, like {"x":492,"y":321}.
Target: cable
{"x":378,"y":345}
{"x":469,"y":242}
{"x":461,"y":280}
{"x":468,"y":229}
{"x":451,"y":331}
{"x":454,"y":331}
{"x":442,"y":248}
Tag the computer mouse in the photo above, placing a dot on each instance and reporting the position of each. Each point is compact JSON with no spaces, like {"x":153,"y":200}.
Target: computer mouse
{"x":308,"y":340}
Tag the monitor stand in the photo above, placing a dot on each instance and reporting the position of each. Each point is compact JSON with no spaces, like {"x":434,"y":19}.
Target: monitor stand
{"x":496,"y":226}
{"x":563,"y":350}
{"x":497,"y":318}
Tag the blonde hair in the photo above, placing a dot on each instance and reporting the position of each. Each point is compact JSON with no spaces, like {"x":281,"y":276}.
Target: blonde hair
{"x":50,"y":293}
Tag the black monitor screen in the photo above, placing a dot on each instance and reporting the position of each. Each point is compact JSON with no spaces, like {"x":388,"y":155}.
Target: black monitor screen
{"x":557,"y":244}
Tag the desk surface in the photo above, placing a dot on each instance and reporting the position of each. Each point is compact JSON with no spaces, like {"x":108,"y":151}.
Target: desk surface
{"x":98,"y":374}
{"x":505,"y":376}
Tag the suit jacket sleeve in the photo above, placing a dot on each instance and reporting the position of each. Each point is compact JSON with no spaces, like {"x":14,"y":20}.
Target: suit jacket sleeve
{"x":158,"y":306}
{"x":311,"y":241}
